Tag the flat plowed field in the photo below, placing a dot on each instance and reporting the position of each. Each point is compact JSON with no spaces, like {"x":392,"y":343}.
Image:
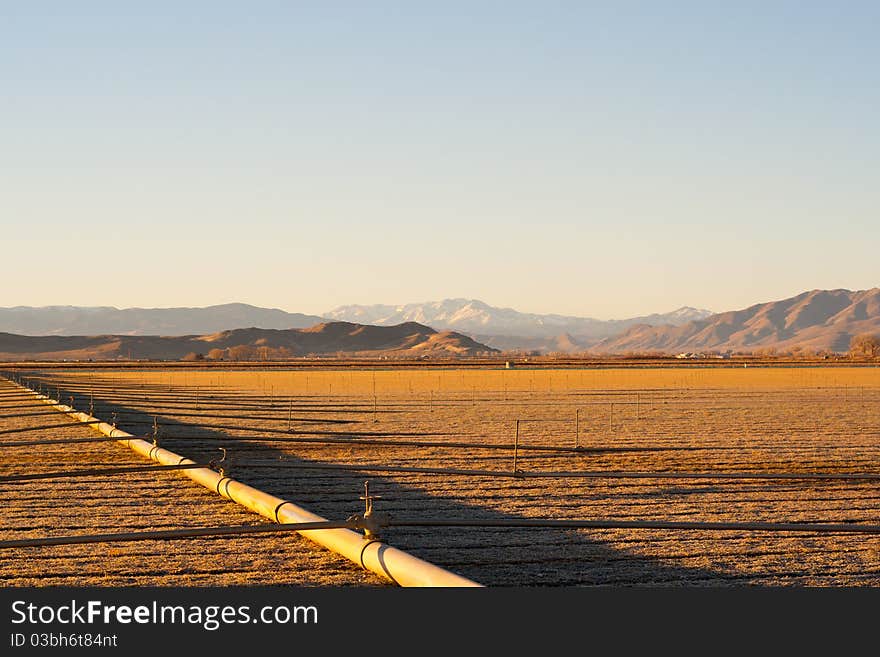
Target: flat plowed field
{"x":655,"y":445}
{"x":136,"y":502}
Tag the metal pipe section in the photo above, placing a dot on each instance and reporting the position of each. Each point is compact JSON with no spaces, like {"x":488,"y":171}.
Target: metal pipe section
{"x":394,"y":564}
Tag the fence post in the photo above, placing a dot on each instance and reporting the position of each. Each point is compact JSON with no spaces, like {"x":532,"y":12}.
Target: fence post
{"x":515,"y":447}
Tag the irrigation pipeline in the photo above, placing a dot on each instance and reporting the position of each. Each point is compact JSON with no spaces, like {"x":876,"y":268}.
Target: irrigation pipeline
{"x":514,"y":523}
{"x":380,"y":558}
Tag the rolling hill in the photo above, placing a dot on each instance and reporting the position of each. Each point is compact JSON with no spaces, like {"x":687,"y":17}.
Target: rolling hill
{"x":408,"y":340}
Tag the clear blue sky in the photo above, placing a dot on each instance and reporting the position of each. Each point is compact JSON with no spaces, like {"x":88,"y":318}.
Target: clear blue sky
{"x":600,"y":159}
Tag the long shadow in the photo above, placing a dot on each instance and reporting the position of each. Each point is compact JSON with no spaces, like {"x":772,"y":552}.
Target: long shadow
{"x":491,"y":556}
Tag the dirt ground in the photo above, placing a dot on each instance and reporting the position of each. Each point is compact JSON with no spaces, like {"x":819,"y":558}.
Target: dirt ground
{"x":136,"y":502}
{"x":274,"y":423}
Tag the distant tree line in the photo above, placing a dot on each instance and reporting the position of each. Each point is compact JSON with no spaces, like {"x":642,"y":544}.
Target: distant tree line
{"x":263,"y":353}
{"x":861,"y":346}
{"x":865,"y":345}
{"x":243,"y":352}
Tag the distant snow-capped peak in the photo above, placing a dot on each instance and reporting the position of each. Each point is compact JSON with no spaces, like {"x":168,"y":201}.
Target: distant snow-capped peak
{"x":478,"y":317}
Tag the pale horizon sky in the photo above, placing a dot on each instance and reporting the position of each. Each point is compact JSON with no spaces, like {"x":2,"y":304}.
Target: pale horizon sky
{"x":582,"y":158}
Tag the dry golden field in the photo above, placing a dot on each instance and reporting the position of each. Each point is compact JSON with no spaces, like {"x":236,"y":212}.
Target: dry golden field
{"x":644,"y":437}
{"x":142,"y":502}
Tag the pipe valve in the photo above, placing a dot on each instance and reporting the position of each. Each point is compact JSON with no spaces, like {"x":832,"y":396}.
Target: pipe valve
{"x":370,"y":521}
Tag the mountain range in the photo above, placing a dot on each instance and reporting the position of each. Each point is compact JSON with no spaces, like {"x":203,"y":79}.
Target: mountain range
{"x":480,"y":319}
{"x":103,"y":320}
{"x":408,"y":340}
{"x":463,"y":315}
{"x":820,"y":320}
{"x":824,"y":320}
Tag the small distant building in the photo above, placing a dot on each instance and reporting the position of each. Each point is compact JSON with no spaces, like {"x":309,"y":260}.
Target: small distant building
{"x":508,"y":364}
